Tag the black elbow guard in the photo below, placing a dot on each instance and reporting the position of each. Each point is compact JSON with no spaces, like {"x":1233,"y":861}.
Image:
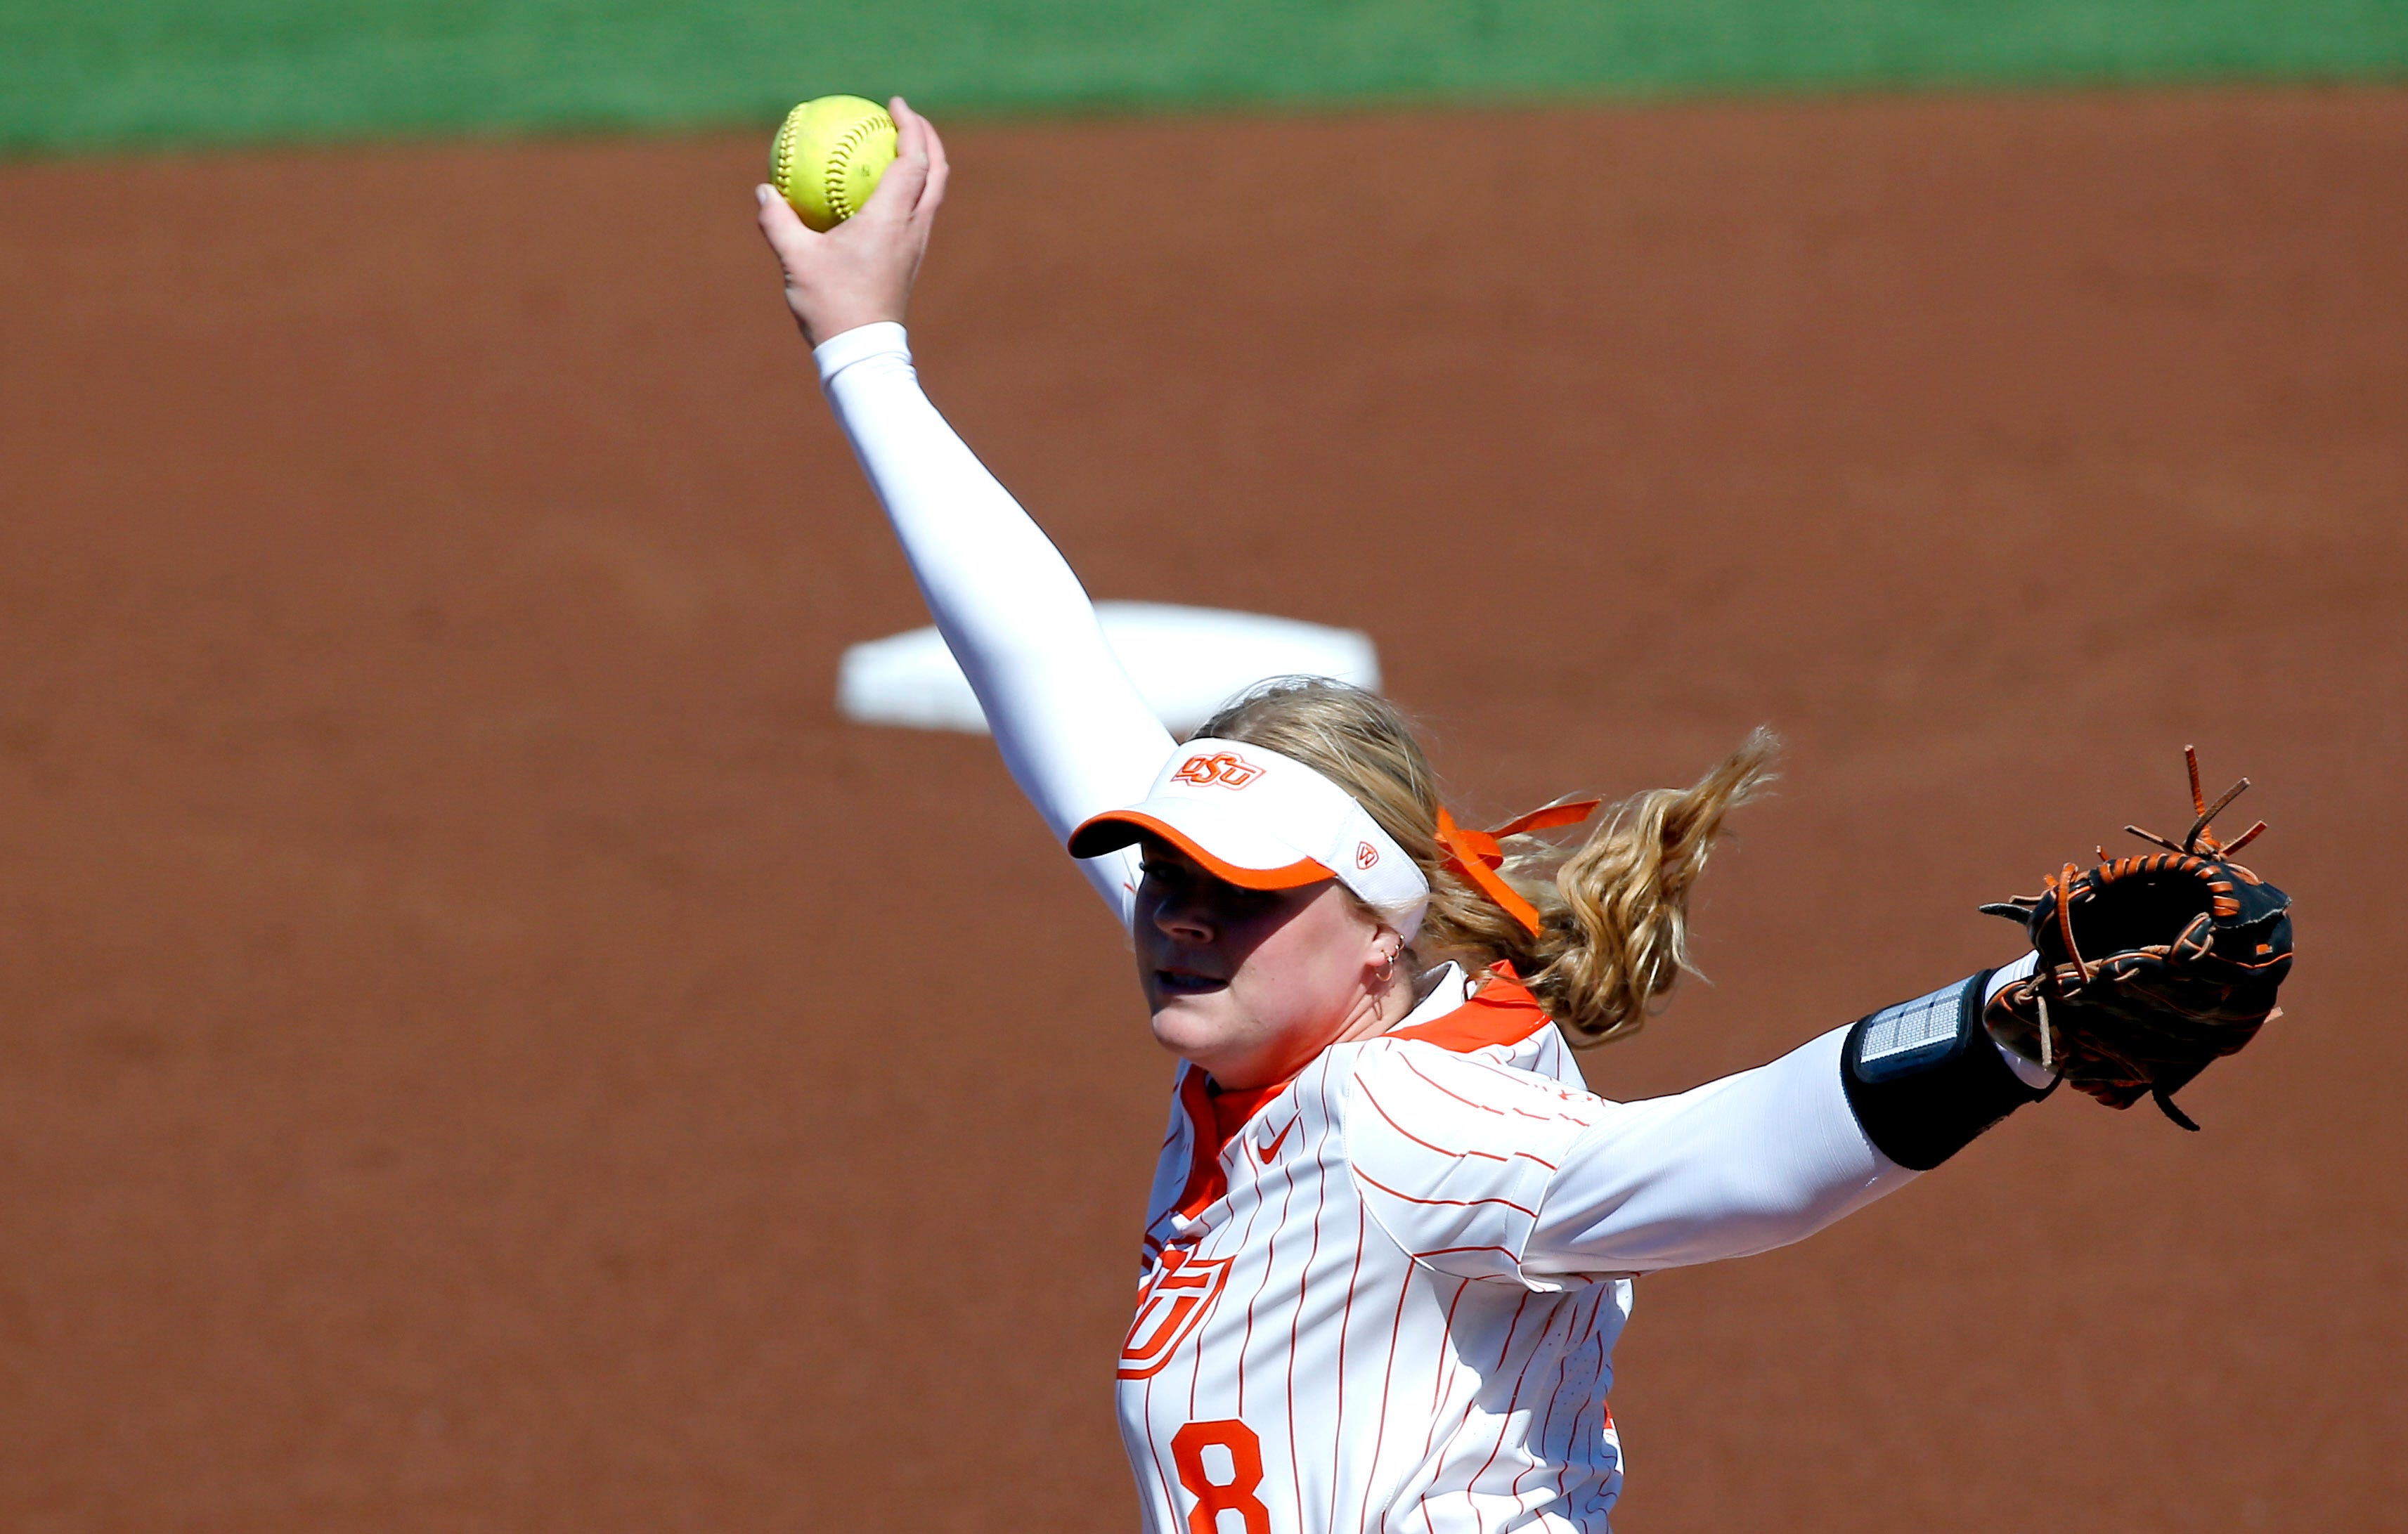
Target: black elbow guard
{"x":1924,"y":1078}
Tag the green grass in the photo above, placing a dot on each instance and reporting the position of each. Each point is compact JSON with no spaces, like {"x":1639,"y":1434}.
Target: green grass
{"x":79,"y":74}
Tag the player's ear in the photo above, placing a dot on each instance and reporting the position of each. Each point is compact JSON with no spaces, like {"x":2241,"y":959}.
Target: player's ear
{"x":1387,"y":948}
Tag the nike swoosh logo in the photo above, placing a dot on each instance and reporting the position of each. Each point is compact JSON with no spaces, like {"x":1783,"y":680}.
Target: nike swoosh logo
{"x":1266,"y":1152}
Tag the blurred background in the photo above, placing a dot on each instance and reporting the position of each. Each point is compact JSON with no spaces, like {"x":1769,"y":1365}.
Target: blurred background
{"x":484,"y":1045}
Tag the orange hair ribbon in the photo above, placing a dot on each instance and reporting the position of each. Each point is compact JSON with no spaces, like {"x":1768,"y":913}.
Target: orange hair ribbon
{"x":1476,"y":854}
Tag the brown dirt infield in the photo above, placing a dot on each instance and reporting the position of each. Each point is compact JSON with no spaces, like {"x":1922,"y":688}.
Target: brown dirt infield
{"x":483,"y":1047}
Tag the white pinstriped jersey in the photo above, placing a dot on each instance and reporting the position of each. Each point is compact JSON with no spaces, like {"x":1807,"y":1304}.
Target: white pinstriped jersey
{"x":1335,"y":1330}
{"x":1335,"y":1333}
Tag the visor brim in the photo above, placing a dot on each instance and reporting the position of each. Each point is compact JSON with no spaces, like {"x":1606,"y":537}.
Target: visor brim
{"x":1117,"y":828}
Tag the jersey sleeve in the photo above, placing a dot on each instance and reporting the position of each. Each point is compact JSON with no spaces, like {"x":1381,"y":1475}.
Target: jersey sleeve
{"x":1733,"y":1168}
{"x":1453,"y":1155}
{"x":1072,"y":728}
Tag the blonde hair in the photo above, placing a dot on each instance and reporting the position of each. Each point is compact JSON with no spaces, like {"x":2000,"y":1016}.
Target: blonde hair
{"x":1613,"y":928}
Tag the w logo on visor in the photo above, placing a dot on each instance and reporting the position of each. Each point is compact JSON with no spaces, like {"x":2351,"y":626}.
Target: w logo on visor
{"x":1224,"y":768}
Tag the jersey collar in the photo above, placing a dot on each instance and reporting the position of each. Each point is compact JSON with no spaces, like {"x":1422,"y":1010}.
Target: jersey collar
{"x":1496,"y":1009}
{"x":1458,"y":1015}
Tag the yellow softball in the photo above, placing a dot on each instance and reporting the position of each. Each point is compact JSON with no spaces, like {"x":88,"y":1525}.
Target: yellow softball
{"x":828,"y":155}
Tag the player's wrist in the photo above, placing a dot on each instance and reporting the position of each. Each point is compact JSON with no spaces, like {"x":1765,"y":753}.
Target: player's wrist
{"x":2012,"y":1042}
{"x":1925,"y":1077}
{"x":880,"y":338}
{"x":824,"y":317}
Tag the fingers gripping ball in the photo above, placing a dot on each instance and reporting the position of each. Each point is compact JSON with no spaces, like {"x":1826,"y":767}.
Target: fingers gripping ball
{"x":828,"y":155}
{"x":2151,"y":967}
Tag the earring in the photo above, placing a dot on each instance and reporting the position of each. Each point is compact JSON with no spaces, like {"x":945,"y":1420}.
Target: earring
{"x":1387,"y":970}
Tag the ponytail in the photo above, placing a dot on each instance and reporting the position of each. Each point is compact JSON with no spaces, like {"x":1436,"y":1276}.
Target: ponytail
{"x":1617,"y":937}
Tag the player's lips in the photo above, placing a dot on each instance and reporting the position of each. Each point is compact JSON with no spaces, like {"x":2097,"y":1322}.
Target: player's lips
{"x":1185,"y":982}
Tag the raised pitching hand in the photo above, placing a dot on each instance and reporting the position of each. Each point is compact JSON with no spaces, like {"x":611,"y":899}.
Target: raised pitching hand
{"x":861,"y":272}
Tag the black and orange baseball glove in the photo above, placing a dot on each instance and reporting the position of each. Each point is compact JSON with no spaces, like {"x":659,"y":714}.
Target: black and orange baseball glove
{"x":2151,"y":967}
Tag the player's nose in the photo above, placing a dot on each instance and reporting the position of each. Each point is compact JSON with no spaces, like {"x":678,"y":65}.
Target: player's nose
{"x":1183,"y":920}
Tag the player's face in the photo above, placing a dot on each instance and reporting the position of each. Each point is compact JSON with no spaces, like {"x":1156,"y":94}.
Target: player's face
{"x":1251,"y":985}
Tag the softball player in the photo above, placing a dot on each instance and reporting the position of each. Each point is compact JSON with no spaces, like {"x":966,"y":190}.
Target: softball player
{"x":1392,"y":1238}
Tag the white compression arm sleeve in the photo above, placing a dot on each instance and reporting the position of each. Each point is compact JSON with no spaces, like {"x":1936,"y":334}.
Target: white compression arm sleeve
{"x":1733,"y":1168}
{"x":1072,"y":728}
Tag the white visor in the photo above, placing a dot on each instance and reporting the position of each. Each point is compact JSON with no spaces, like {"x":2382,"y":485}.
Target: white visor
{"x":1266,"y":822}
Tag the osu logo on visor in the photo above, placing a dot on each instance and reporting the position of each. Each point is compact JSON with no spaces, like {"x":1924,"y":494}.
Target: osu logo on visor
{"x":1224,"y":768}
